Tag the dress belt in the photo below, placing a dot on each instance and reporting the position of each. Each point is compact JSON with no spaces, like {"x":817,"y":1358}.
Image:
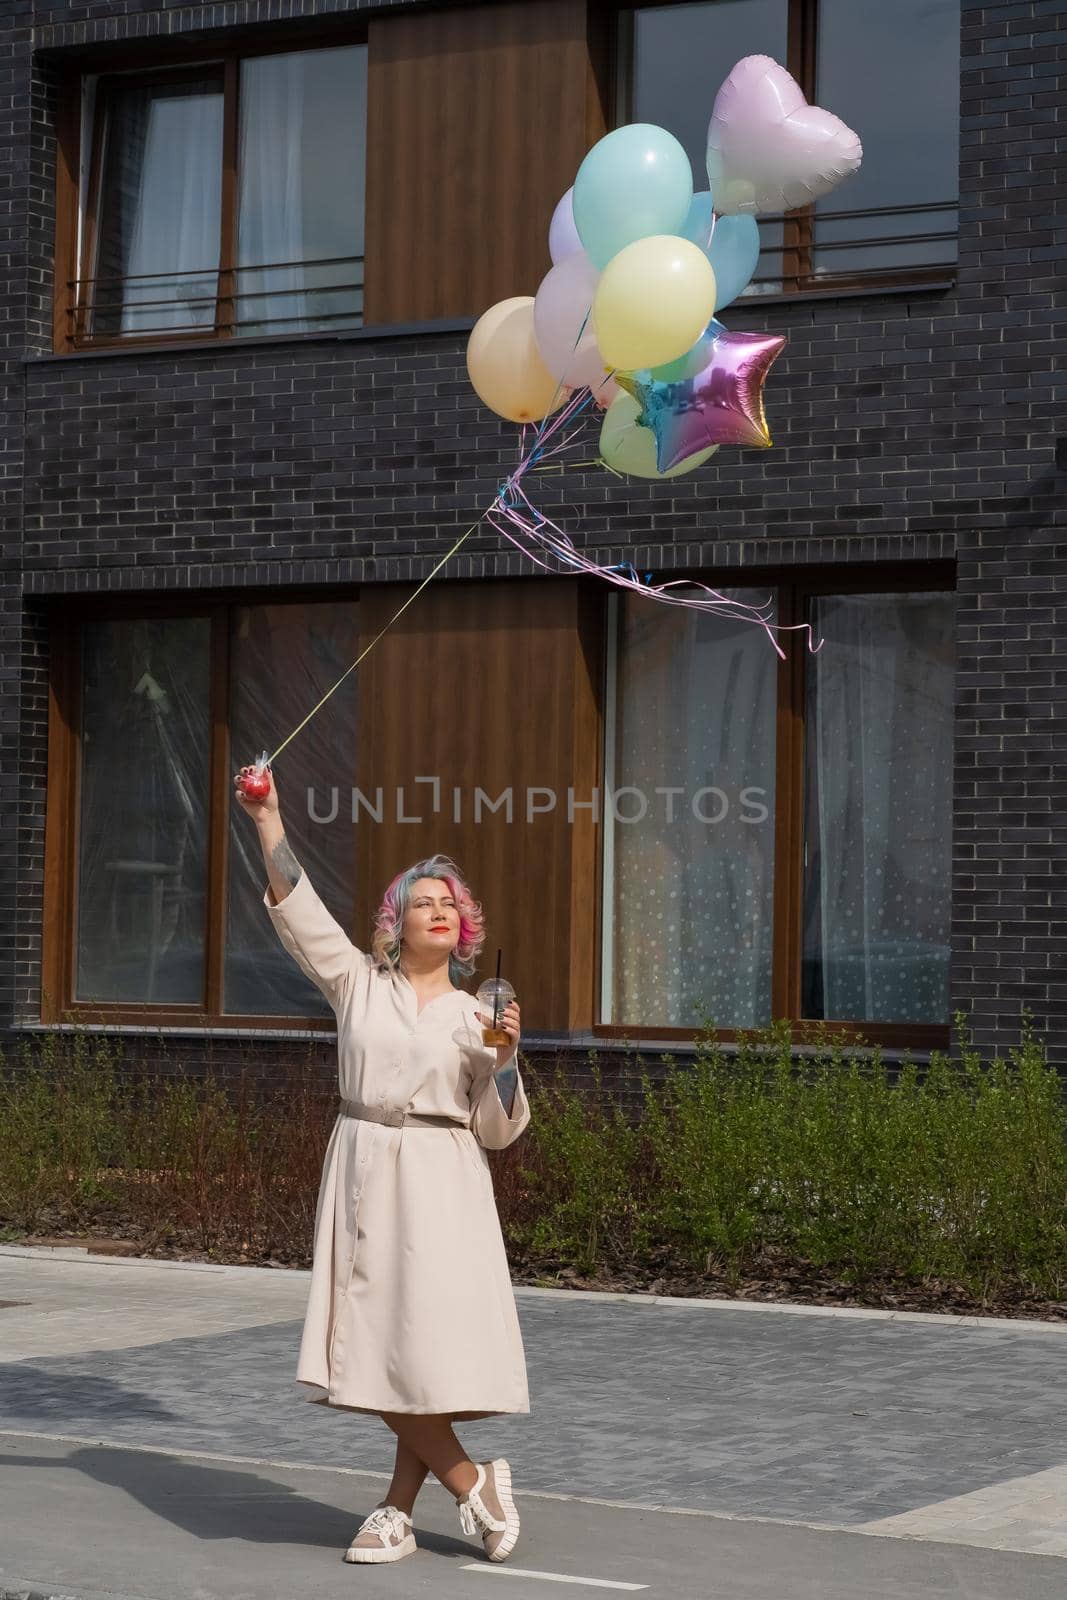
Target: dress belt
{"x":396,"y":1116}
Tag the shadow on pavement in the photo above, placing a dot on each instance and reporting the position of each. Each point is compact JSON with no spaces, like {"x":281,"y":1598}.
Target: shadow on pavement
{"x":220,"y":1502}
{"x":34,"y":1396}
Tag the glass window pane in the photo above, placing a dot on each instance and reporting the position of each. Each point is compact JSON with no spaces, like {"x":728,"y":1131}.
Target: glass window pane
{"x":303,"y":125}
{"x":690,"y":879}
{"x":879,"y":808}
{"x":145,"y":741}
{"x":283,"y":660}
{"x":892,"y":72}
{"x":681,"y":54}
{"x":159,"y":208}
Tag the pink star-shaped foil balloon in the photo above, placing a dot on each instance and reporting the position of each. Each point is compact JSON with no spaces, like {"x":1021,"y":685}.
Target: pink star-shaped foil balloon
{"x":722,"y":404}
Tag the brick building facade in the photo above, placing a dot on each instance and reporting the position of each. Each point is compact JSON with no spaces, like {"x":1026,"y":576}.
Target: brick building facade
{"x":916,"y":426}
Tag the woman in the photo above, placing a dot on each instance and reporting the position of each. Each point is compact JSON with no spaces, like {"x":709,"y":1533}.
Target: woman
{"x":411,"y":1314}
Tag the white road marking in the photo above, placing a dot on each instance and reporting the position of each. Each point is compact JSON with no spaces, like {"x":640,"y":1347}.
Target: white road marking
{"x":549,"y":1577}
{"x":1026,"y":1515}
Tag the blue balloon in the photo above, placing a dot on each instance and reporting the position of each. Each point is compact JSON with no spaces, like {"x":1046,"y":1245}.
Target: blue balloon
{"x":697,"y":225}
{"x":634,"y":182}
{"x":733,"y":252}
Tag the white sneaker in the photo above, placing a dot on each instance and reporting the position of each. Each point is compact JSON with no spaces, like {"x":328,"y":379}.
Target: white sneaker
{"x":386,"y":1535}
{"x":489,"y":1509}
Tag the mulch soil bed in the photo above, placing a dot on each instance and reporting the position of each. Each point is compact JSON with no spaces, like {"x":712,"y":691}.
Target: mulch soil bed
{"x":774,"y":1278}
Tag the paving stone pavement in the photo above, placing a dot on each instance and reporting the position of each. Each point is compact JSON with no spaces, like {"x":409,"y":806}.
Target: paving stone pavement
{"x":916,"y":1428}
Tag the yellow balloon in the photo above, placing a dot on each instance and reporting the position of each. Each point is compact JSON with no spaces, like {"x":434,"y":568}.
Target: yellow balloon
{"x":505,"y":365}
{"x":653,"y":301}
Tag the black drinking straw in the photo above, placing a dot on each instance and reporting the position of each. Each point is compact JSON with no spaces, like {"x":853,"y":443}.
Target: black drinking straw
{"x":496,"y":994}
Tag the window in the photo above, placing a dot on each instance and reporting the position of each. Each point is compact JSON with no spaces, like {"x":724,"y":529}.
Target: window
{"x":893,"y":221}
{"x":143,"y":822}
{"x":283,"y":658}
{"x":907,"y":187}
{"x":680,"y":54}
{"x":779,"y":841}
{"x":692,"y":824}
{"x":159,"y":182}
{"x":224,"y":199}
{"x":878,"y":808}
{"x":167,"y":914}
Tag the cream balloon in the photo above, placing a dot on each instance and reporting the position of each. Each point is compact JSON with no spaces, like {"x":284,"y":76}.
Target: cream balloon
{"x":653,"y":301}
{"x":630,"y":448}
{"x":505,"y":365}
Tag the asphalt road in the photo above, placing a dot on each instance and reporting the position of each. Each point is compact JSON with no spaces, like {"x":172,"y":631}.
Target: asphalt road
{"x":153,"y":1444}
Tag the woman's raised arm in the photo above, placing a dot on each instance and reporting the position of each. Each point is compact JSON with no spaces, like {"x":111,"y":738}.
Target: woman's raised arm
{"x":314,"y":938}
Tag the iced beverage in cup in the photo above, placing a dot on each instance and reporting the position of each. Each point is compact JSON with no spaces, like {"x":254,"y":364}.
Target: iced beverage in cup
{"x":493,"y":997}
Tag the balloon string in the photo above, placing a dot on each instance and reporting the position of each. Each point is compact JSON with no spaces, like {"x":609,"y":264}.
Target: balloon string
{"x":472,"y":529}
{"x":503,"y":495}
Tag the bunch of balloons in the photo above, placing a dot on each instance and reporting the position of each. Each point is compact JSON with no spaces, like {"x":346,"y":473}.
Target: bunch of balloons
{"x":641,"y":267}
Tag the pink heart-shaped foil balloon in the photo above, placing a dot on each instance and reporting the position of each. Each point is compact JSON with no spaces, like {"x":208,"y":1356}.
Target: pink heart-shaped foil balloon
{"x":768,"y":150}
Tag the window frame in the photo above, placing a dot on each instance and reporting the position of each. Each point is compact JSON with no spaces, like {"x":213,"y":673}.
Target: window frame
{"x":794,"y":591}
{"x":76,"y":233}
{"x":59,"y":919}
{"x":798,"y":226}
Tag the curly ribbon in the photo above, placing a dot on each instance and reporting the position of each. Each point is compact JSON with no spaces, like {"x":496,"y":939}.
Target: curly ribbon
{"x":543,"y":542}
{"x":547,"y":546}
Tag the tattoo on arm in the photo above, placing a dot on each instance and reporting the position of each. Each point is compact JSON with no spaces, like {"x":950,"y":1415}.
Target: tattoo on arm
{"x":507,"y":1083}
{"x":285,"y":862}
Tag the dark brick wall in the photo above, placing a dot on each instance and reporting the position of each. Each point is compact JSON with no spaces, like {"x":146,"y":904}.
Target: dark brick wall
{"x":15,"y":54}
{"x":907,"y":426}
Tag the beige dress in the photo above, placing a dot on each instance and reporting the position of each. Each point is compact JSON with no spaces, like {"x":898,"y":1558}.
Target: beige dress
{"x":410,"y":1306}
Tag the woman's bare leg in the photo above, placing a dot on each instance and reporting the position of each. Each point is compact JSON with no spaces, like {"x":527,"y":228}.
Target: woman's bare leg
{"x":409,"y":1475}
{"x":432,"y":1441}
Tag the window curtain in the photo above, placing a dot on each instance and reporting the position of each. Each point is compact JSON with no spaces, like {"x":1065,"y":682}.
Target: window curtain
{"x":283,"y":659}
{"x":301,"y":190}
{"x":145,"y":738}
{"x":879,"y":808}
{"x":159,"y":210}
{"x":690,"y":926}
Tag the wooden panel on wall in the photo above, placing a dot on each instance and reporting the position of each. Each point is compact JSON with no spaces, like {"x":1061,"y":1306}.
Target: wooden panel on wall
{"x":490,"y":686}
{"x":60,"y":858}
{"x":478,"y":118}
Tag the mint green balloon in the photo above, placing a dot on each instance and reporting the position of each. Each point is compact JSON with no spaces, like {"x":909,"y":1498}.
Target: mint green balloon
{"x":694,"y":360}
{"x":634,"y":182}
{"x":631,"y":448}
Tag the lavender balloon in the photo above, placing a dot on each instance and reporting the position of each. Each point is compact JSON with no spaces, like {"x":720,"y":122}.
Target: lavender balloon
{"x":563,"y":325}
{"x":563,"y":240}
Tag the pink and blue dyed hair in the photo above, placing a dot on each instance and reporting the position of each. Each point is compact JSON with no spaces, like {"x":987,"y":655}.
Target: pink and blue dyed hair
{"x":389,"y":917}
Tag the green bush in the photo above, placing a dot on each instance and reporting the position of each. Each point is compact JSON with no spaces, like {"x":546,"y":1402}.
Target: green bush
{"x":57,"y":1128}
{"x":956,"y":1173}
{"x":827,"y":1156}
{"x":192,"y":1160}
{"x":579,"y":1200}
